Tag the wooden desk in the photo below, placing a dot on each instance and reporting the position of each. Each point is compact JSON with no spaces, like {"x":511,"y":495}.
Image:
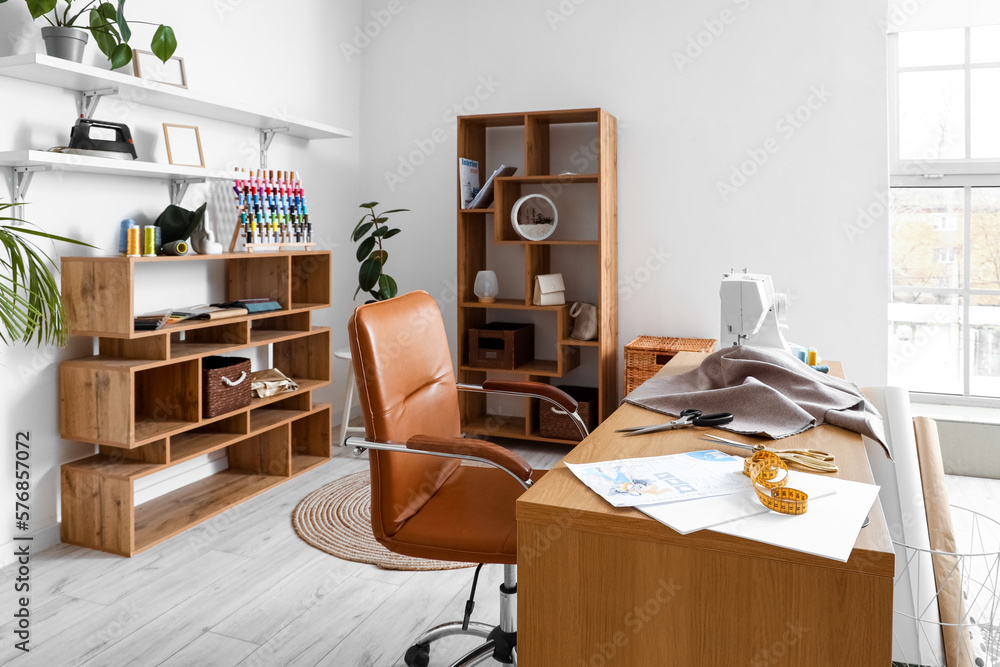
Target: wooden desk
{"x":600,"y":586}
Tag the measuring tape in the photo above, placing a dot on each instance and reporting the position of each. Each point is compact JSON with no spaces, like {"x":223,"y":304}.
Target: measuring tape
{"x":765,"y":470}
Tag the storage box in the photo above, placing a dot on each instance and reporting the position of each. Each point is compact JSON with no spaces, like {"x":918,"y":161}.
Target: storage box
{"x":225,"y":385}
{"x":553,"y":422}
{"x":501,"y":345}
{"x":646,"y":355}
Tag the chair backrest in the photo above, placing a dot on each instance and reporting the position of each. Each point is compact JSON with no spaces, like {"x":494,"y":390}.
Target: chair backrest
{"x":406,"y":387}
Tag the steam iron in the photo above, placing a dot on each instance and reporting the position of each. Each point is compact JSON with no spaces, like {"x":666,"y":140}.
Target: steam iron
{"x":100,"y":138}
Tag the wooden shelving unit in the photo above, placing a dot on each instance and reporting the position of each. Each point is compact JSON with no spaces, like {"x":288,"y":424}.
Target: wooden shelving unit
{"x":480,"y":228}
{"x":140,"y":398}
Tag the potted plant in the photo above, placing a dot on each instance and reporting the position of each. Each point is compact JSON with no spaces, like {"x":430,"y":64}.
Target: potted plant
{"x":64,"y":38}
{"x":371,"y":231}
{"x":31,"y":306}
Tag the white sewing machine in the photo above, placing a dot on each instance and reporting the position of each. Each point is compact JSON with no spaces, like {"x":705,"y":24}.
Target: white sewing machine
{"x":752,"y":314}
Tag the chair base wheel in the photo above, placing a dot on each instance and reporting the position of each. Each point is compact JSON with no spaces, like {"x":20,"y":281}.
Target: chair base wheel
{"x":418,"y":655}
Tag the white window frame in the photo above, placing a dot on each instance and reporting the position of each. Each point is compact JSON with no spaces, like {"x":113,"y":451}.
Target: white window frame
{"x":965,"y":173}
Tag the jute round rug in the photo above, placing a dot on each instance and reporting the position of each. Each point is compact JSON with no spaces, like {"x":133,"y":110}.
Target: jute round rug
{"x":336,"y":518}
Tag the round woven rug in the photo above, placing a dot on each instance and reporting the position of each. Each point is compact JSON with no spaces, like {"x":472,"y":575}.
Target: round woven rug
{"x":336,"y":518}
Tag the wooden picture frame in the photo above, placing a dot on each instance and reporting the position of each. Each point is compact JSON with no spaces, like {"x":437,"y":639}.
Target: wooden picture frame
{"x":186,"y":143}
{"x":145,"y":65}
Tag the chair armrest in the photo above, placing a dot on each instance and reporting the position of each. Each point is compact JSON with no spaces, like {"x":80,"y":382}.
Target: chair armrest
{"x":554,"y":394}
{"x":479,"y":449}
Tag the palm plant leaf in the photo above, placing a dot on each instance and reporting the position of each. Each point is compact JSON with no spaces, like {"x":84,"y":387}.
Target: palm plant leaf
{"x":31,"y":306}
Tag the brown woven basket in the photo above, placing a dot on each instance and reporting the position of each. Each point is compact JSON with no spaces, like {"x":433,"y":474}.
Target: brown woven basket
{"x":648,"y":354}
{"x":217,"y":396}
{"x":553,"y":423}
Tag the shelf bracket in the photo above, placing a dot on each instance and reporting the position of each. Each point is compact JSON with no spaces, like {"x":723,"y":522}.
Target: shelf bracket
{"x":89,"y":99}
{"x":178,"y":188}
{"x":266,"y":136}
{"x":22,"y":181}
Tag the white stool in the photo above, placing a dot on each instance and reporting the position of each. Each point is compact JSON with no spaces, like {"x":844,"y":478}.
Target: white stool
{"x":345,"y":353}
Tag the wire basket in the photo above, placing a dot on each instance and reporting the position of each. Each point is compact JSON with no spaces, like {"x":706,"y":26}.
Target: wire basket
{"x":953,"y":612}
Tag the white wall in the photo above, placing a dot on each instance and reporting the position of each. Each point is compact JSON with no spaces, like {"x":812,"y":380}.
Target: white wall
{"x":684,"y":128}
{"x":240,"y":50}
{"x":928,"y":14}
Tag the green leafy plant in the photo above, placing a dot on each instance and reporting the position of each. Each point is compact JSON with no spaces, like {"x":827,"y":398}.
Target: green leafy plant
{"x":107,"y":24}
{"x":371,"y":231}
{"x":31,"y":306}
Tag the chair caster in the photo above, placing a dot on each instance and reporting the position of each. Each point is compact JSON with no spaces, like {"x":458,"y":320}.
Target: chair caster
{"x":418,"y":655}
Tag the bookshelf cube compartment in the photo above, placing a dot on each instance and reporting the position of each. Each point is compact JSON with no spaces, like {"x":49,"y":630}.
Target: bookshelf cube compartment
{"x":283,"y":410}
{"x":310,"y":280}
{"x":311,"y":440}
{"x":305,"y":358}
{"x":266,"y":453}
{"x":259,"y":278}
{"x":208,"y":438}
{"x":166,"y":399}
{"x":210,"y":340}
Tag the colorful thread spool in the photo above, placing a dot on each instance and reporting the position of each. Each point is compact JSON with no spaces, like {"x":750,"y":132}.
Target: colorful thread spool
{"x":132,"y":250}
{"x":149,"y":241}
{"x":123,"y":236}
{"x":813,"y":357}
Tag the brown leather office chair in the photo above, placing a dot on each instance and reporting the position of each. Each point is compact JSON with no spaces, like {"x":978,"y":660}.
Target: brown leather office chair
{"x":425,"y":503}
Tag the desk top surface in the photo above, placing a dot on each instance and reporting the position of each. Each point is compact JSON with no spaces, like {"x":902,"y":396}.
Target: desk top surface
{"x":560,"y":498}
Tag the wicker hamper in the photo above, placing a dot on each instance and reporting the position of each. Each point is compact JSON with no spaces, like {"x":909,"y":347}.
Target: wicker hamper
{"x":648,"y":354}
{"x":225,"y":385}
{"x":553,"y":423}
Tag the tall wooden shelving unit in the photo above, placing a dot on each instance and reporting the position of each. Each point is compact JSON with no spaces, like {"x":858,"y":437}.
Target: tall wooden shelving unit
{"x":140,"y":399}
{"x":477,"y":228}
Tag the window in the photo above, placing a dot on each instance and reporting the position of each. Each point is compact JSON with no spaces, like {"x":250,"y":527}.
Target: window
{"x":944,"y":223}
{"x":944,"y":318}
{"x":944,"y":255}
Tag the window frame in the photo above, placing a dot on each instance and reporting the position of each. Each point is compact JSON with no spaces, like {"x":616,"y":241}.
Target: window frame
{"x":965,"y":173}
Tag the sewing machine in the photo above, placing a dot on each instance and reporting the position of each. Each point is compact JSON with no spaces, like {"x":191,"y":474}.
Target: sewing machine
{"x":752,"y":314}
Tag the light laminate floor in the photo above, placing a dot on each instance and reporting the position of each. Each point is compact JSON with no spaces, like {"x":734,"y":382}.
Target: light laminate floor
{"x":242,"y":590}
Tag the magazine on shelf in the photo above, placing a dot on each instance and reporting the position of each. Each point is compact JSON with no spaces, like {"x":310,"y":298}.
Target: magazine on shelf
{"x":468,"y":180}
{"x":485,"y":196}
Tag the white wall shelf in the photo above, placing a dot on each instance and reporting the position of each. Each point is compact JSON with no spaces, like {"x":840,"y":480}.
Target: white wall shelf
{"x":26,"y":163}
{"x":94,"y":83}
{"x":46,"y":70}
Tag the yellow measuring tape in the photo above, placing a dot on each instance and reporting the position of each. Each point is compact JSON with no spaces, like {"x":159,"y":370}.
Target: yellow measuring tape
{"x":769,"y":475}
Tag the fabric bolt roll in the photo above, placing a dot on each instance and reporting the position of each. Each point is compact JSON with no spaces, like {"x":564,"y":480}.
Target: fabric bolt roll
{"x":769,"y":393}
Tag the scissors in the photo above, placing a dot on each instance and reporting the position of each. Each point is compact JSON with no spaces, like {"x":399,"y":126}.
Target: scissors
{"x":687,"y":418}
{"x":807,"y":458}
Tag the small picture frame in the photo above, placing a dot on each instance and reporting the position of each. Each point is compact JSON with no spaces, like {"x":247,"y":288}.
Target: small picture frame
{"x":145,"y":65}
{"x":183,"y":145}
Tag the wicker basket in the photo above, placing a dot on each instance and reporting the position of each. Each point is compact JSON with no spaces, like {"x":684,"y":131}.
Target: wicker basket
{"x":648,"y":354}
{"x":553,"y":423}
{"x":225,"y":385}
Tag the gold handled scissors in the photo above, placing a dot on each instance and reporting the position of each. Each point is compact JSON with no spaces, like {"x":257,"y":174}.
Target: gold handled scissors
{"x":807,"y":458}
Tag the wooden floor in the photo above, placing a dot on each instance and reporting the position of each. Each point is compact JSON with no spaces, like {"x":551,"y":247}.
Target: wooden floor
{"x":242,"y":589}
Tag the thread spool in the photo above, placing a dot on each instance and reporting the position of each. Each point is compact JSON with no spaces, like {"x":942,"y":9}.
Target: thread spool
{"x":803,"y":355}
{"x":813,"y":356}
{"x":132,"y":249}
{"x":175,"y":248}
{"x":149,"y":241}
{"x":123,"y":236}
{"x":822,"y":368}
{"x":158,"y":238}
